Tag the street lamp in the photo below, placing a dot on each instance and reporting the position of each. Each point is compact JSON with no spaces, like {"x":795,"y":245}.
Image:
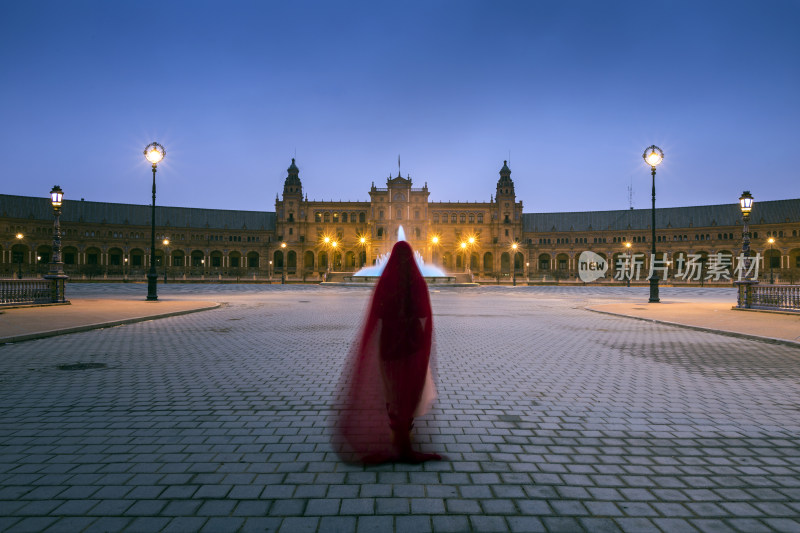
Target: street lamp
{"x":746,"y":205}
{"x":154,"y":153}
{"x":653,"y":156}
{"x":771,"y":241}
{"x":363,"y":242}
{"x":629,"y":274}
{"x":514,"y":247}
{"x":464,"y":252}
{"x":166,"y":243}
{"x":19,"y":236}
{"x":56,"y":272}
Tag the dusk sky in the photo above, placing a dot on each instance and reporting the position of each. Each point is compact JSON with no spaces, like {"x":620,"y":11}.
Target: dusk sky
{"x":573,"y":91}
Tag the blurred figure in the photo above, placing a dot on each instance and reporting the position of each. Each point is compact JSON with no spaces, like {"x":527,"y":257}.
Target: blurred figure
{"x":387,"y":380}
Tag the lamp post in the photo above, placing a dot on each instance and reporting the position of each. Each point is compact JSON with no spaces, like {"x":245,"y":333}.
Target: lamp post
{"x":19,"y":236}
{"x":166,"y":244}
{"x":771,"y":241}
{"x":363,"y":242}
{"x":514,"y":247}
{"x":56,"y":274}
{"x":527,"y":270}
{"x":154,"y":153}
{"x":746,"y":205}
{"x":283,"y":266}
{"x":464,"y":252}
{"x":434,"y":245}
{"x":628,"y":246}
{"x":270,"y":270}
{"x":653,"y":156}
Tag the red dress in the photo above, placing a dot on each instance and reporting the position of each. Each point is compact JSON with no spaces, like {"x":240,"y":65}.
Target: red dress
{"x":384,"y":382}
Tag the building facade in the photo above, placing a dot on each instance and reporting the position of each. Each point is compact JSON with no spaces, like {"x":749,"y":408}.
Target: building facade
{"x":302,"y":239}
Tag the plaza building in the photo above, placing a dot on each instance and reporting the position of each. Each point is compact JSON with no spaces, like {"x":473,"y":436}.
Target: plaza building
{"x":304,"y":239}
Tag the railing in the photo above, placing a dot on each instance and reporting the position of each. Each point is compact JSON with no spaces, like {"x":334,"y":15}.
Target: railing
{"x":23,"y":291}
{"x":770,"y":297}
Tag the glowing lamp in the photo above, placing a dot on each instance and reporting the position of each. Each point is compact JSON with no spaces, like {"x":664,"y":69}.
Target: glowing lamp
{"x":154,"y":153}
{"x":56,"y":196}
{"x":653,"y":155}
{"x":746,"y":203}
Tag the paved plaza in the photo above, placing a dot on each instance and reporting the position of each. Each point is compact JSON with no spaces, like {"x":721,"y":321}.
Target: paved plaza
{"x":552,"y":418}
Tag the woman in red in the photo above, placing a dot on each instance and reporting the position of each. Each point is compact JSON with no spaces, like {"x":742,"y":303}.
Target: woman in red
{"x":388,"y":380}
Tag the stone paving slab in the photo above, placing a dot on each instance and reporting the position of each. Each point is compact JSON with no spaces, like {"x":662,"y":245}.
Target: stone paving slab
{"x":712,"y":316}
{"x":82,"y":314}
{"x":552,"y":418}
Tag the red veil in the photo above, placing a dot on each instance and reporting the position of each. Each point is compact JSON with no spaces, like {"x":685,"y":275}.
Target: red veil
{"x":387,"y":377}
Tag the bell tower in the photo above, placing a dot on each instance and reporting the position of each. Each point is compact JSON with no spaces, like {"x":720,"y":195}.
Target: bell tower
{"x":506,"y":196}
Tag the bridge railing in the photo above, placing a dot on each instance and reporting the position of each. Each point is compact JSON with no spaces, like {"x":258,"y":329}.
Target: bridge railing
{"x":25,"y":291}
{"x":770,"y":297}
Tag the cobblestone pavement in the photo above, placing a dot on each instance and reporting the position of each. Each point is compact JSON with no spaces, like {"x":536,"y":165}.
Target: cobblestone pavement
{"x":553,"y":418}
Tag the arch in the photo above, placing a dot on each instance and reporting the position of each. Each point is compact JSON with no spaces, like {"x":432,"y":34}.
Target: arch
{"x":362,"y":258}
{"x":178,"y":258}
{"x":447,"y":261}
{"x":254,"y":260}
{"x":216,"y":259}
{"x":474,"y":261}
{"x":69,"y":255}
{"x":488,"y":262}
{"x":198,"y":259}
{"x":505,"y":263}
{"x":322,"y":260}
{"x":772,"y":258}
{"x":136,"y":258}
{"x":114,"y":258}
{"x":543,"y":262}
{"x":94,"y":256}
{"x":794,"y":258}
{"x":277,"y":260}
{"x":291,"y":260}
{"x":43,"y":253}
{"x":158,"y":257}
{"x":562,"y":262}
{"x":519,"y":263}
{"x":308,"y":260}
{"x":349,"y":260}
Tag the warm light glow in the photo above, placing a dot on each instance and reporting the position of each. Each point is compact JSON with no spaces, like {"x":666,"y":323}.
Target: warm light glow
{"x":771,"y":240}
{"x":154,"y":156}
{"x":19,"y":236}
{"x":283,"y":245}
{"x":435,"y":239}
{"x":56,"y":196}
{"x":472,"y":240}
{"x":327,"y":240}
{"x":746,"y":202}
{"x":653,"y":155}
{"x":463,"y":245}
{"x":362,"y":240}
{"x":166,"y":242}
{"x":514,"y":246}
{"x":334,"y":244}
{"x":627,"y":245}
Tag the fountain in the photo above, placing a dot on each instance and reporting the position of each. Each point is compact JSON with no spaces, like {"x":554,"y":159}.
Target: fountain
{"x":431,"y":273}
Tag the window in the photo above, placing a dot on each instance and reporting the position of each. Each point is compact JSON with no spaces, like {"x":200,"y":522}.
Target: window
{"x":506,"y":233}
{"x":326,"y":217}
{"x":380,"y":232}
{"x":235,"y":262}
{"x":480,"y":218}
{"x":380,"y":215}
{"x":463,"y":218}
{"x":344,"y":217}
{"x":317,"y":217}
{"x":335,"y":218}
{"x":453,"y":218}
{"x":216,"y":261}
{"x":435,"y":218}
{"x":362,"y":217}
{"x":398,"y":214}
{"x":416,"y":215}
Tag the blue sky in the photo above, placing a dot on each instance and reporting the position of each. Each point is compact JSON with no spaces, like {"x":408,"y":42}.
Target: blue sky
{"x":573,"y":91}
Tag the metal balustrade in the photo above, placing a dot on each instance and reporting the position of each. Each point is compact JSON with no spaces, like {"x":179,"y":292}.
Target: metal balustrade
{"x":770,"y":297}
{"x":24,"y":291}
